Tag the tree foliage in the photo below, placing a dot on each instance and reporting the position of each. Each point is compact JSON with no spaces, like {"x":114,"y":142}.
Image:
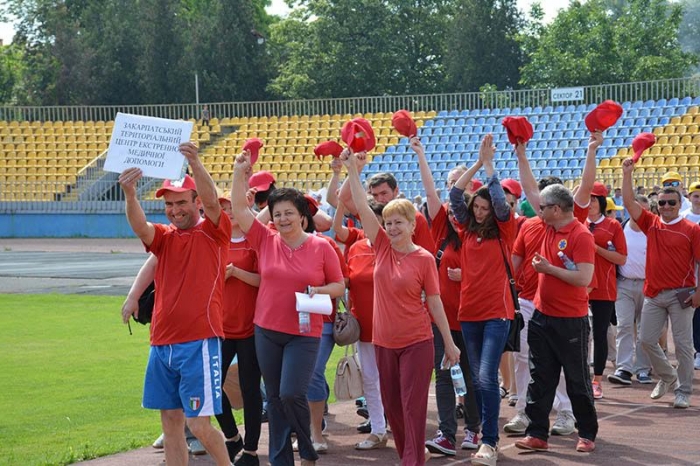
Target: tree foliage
{"x":483,"y":45}
{"x":590,"y":44}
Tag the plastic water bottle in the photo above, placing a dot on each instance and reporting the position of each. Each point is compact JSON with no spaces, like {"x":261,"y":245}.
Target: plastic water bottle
{"x":568,"y":263}
{"x":304,"y":322}
{"x":611,"y":246}
{"x":458,"y":380}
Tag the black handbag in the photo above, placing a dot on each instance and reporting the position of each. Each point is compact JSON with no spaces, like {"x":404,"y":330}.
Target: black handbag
{"x":517,"y":324}
{"x":146,"y":304}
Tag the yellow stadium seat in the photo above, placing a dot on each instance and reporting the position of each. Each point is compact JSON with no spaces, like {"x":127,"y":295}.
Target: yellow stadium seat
{"x":686,"y":119}
{"x":690,"y":150}
{"x":692,"y":129}
{"x":693,"y":161}
{"x":670,"y":161}
{"x":681,"y":160}
{"x":659,"y":161}
{"x":647,"y":161}
{"x":604,"y":163}
{"x":693,"y":110}
{"x":677,"y":149}
{"x":676,"y":120}
{"x":615,"y":162}
{"x":658,"y":131}
{"x":680,"y":129}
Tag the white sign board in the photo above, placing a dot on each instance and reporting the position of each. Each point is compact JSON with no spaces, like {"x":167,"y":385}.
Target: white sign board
{"x":567,"y":94}
{"x":148,"y":143}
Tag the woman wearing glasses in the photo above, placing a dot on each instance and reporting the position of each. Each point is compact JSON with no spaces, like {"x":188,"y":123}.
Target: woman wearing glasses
{"x":486,"y":304}
{"x":611,"y":250}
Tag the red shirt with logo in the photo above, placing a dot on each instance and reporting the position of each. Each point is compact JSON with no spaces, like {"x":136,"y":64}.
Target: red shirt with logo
{"x":190,"y":281}
{"x":556,"y":297}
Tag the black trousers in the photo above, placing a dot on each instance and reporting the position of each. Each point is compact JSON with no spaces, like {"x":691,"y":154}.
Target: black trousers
{"x":602,"y":313}
{"x":249,"y":379}
{"x":556,"y":343}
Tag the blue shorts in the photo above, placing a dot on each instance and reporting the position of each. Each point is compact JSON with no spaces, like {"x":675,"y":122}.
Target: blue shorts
{"x":185,"y":376}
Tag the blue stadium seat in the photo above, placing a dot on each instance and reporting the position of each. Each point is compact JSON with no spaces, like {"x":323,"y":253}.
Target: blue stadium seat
{"x":637,"y":104}
{"x":555,"y":172}
{"x":592,"y":106}
{"x":511,"y":165}
{"x":537,"y":110}
{"x":559,"y":109}
{"x":687,"y":101}
{"x":652,"y":121}
{"x":663,"y":121}
{"x":626,"y":105}
{"x":573,"y":163}
{"x":500,"y":165}
{"x":491,"y":121}
{"x":429,"y":123}
{"x":570,"y":109}
{"x":536,"y":154}
{"x":471,"y":121}
{"x":649,"y":104}
{"x":645,"y":112}
{"x":660,"y":103}
{"x":464,"y":113}
{"x":449,"y":147}
{"x":442,"y":114}
{"x":552,"y":163}
{"x":534,"y":119}
{"x":555,"y":117}
{"x":696,"y":101}
{"x":440,"y":148}
{"x":485,"y":112}
{"x":454,"y":113}
{"x":672,"y":102}
{"x":439,"y":122}
{"x":632,"y":113}
{"x":566,"y":117}
{"x":566,"y":174}
{"x":548,"y":109}
{"x":528,"y":110}
{"x":576,"y":173}
{"x":581,"y":108}
{"x":480,"y":121}
{"x":450,"y":122}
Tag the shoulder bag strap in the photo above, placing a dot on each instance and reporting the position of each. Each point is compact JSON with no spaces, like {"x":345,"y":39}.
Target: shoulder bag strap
{"x":511,"y":280}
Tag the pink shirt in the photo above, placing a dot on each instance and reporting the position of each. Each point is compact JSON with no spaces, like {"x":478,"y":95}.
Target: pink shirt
{"x":400,"y":318}
{"x":284,"y":271}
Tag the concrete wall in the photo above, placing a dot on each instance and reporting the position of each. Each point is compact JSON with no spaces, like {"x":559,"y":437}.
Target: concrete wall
{"x":69,"y":225}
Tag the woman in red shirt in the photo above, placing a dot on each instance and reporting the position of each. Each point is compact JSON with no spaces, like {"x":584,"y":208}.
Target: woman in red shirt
{"x":602,"y":298}
{"x":289,"y":260}
{"x":402,"y":336}
{"x":486,"y":304}
{"x":443,"y":227}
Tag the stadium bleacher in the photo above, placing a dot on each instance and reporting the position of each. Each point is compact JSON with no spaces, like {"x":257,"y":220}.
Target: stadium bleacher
{"x":40,"y":160}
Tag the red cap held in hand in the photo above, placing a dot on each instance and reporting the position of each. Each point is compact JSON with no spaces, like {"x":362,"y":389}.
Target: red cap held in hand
{"x":253,"y":145}
{"x":518,"y":128}
{"x":603,"y":116}
{"x":640,"y":143}
{"x":328,"y":148}
{"x":358,"y":131}
{"x":404,"y":124}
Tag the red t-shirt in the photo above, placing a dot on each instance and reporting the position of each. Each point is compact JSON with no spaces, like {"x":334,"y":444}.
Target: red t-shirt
{"x":361,"y":259}
{"x":421,"y":235}
{"x":400,"y":318}
{"x":354,"y":235}
{"x":527,"y":243}
{"x":485,"y":291}
{"x":284,"y":271}
{"x":343,"y":268}
{"x":451,"y":258}
{"x":239,"y":297}
{"x":581,"y":213}
{"x":605,"y":272}
{"x":672,"y":251}
{"x":190,"y":281}
{"x":555,"y":297}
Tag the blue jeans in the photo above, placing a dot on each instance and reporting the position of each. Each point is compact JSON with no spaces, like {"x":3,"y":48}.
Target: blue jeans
{"x":485,"y":342}
{"x":318,"y":388}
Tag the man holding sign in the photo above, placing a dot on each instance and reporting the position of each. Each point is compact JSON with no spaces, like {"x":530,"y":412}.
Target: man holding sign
{"x":183,"y":376}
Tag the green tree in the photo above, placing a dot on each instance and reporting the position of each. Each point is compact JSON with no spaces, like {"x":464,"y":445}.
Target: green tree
{"x":483,"y":45}
{"x":689,"y":32}
{"x":11,"y":71}
{"x":590,"y":44}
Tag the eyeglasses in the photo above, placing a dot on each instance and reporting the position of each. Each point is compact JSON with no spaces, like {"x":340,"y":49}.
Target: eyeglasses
{"x":674,"y":184}
{"x":542,"y":207}
{"x":670,"y":202}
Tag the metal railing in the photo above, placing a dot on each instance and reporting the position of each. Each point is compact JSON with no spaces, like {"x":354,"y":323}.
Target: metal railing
{"x":621,"y":92}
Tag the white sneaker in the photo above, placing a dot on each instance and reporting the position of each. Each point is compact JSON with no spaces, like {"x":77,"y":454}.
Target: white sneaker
{"x":661,"y":388}
{"x":159,"y":442}
{"x":564,"y":424}
{"x":697,"y":361}
{"x":682,"y":401}
{"x":196,"y":447}
{"x":517,"y":425}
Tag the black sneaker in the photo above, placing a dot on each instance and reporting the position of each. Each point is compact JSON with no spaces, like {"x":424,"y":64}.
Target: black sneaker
{"x":363,"y":412}
{"x":620,"y":377}
{"x":365,"y":427}
{"x":247,"y":459}
{"x":359,"y":402}
{"x":234,"y":447}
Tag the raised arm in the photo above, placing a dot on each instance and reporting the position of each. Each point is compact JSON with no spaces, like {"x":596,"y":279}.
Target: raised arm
{"x":487,"y":151}
{"x":334,"y":182}
{"x":239,"y":188}
{"x":527,"y":178}
{"x":341,"y":231}
{"x":134,"y":212}
{"x":426,"y":176}
{"x":206,"y":189}
{"x":346,"y":196}
{"x":323,"y":221}
{"x":583,"y":195}
{"x":632,"y":206}
{"x":144,"y":278}
{"x":370,"y":224}
{"x":457,"y":203}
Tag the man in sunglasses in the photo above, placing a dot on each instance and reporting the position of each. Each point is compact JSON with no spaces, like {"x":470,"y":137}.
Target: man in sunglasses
{"x":670,"y":290}
{"x":693,"y":214}
{"x":674,"y":180}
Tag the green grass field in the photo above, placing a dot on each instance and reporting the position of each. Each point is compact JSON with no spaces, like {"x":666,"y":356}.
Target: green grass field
{"x":72,"y":379}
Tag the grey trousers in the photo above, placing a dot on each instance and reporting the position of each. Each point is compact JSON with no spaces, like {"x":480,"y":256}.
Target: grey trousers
{"x":655,"y":313}
{"x":628,"y":308}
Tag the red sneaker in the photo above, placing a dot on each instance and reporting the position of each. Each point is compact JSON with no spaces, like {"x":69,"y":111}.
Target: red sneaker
{"x":532,"y":444}
{"x":585,"y":446}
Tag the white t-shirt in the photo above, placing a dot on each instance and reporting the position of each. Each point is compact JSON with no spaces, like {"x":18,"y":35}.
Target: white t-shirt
{"x":695,"y":218}
{"x":636,"y":254}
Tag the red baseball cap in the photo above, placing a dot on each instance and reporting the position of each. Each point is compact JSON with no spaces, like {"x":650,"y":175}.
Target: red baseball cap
{"x":328,"y":148}
{"x":642,"y":142}
{"x":253,"y":145}
{"x":313,"y":204}
{"x":518,"y":128}
{"x":359,"y":131}
{"x":599,"y":189}
{"x":512,"y":186}
{"x":476,"y":184}
{"x":404,"y":124}
{"x":177,"y":186}
{"x":261,"y":180}
{"x":603,"y":116}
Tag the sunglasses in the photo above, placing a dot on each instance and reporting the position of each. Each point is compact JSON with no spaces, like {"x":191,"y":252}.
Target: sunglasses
{"x":670,"y":202}
{"x":672,"y":184}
